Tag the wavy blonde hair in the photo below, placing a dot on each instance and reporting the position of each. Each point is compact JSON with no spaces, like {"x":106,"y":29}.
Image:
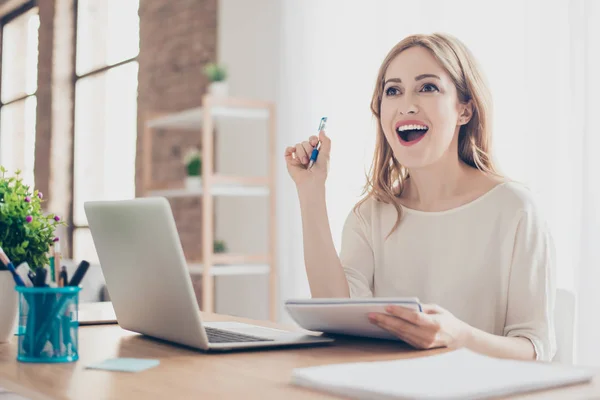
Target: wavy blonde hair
{"x":386,"y":179}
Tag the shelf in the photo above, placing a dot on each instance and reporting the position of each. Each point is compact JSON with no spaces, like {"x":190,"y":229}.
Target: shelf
{"x":235,"y":264}
{"x":232,"y":269}
{"x":216,"y":190}
{"x":192,"y":118}
{"x":221,"y":186}
{"x":228,"y":258}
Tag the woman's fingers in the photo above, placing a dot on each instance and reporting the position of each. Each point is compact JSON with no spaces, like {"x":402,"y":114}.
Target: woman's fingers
{"x":432,"y":309}
{"x":413,"y":340}
{"x":301,"y":154}
{"x":290,"y":156}
{"x":420,"y":342}
{"x":393,"y":324}
{"x":414,"y":335}
{"x":408,"y":314}
{"x":325,"y":144}
{"x":307,"y":148}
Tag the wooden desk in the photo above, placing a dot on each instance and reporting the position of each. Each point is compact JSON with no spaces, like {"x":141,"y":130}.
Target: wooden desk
{"x":187,"y":374}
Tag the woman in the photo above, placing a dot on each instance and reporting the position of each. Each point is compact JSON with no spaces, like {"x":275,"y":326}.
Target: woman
{"x":438,"y":222}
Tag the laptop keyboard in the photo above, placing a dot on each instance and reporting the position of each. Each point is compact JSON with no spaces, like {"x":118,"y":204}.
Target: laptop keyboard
{"x":221,"y":336}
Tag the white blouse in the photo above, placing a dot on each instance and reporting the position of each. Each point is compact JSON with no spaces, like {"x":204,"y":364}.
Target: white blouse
{"x":490,"y":262}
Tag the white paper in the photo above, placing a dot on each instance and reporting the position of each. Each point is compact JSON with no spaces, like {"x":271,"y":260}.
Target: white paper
{"x":459,"y":374}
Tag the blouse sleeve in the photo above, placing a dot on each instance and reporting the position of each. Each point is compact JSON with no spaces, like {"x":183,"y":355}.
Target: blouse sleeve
{"x":356,"y":256}
{"x":531,"y":291}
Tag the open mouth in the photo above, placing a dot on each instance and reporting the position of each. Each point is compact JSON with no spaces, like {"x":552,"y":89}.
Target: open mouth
{"x":411,"y":134}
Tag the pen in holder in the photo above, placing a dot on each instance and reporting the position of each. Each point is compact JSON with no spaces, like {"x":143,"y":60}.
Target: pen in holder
{"x":48,"y":324}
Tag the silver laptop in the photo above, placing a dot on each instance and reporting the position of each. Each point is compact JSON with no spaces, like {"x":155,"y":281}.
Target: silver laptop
{"x":149,"y":283}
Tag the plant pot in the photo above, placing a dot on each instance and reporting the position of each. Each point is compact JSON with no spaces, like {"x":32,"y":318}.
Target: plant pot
{"x":218,"y":89}
{"x":193,"y":182}
{"x":9,"y":306}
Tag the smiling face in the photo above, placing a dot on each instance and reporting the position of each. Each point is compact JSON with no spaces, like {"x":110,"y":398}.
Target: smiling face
{"x":420,"y":111}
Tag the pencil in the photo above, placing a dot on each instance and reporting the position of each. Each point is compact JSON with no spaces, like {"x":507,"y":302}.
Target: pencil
{"x":57,"y":256}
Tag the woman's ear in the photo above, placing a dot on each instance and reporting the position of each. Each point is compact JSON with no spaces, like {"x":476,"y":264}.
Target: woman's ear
{"x":466,"y":113}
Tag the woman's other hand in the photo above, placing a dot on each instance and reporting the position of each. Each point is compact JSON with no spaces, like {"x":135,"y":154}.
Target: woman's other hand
{"x":434,"y":327}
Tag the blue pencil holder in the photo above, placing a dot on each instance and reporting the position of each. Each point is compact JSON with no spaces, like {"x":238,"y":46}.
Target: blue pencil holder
{"x":48,"y":324}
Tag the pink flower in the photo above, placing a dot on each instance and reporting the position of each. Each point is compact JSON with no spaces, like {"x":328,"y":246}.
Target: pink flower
{"x":29,"y":218}
{"x":27,"y":199}
{"x":56,"y":218}
{"x":55,"y":239}
{"x":40,"y":195}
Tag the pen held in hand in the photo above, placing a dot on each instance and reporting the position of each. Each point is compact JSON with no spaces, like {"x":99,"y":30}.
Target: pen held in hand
{"x":315,"y":152}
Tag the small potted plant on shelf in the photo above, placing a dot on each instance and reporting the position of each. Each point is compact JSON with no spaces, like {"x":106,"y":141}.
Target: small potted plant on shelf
{"x":26,"y":235}
{"x":219,"y":246}
{"x":217,"y":75}
{"x":193,"y":167}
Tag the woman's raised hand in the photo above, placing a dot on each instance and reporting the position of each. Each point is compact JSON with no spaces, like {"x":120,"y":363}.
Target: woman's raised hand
{"x":297,"y":159}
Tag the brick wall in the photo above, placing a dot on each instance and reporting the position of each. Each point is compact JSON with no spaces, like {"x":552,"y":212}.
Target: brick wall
{"x":176,"y":39}
{"x":44,"y":98}
{"x":55,"y":107}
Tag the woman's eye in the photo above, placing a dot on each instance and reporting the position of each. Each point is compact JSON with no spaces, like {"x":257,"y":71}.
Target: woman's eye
{"x":428,"y":87}
{"x":392,"y":91}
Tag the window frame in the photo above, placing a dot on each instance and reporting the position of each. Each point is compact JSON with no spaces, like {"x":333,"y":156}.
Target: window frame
{"x":72,"y":227}
{"x":5,"y":20}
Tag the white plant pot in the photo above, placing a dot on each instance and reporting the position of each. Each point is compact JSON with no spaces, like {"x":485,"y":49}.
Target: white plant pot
{"x":9,"y":306}
{"x":193,"y":182}
{"x":218,"y":89}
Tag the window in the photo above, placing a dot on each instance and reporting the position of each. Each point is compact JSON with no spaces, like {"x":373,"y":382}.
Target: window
{"x":105,"y":110}
{"x":18,"y":85}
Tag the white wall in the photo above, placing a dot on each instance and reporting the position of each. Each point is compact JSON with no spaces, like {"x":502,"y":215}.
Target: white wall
{"x":248,"y":36}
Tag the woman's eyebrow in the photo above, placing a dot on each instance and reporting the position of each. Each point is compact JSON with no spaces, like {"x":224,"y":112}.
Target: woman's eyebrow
{"x":423,"y":76}
{"x":417,"y":78}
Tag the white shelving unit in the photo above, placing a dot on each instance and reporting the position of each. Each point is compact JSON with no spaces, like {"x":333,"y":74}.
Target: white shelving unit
{"x":189,"y":119}
{"x":217,"y":189}
{"x":202,"y":119}
{"x":231,"y":269}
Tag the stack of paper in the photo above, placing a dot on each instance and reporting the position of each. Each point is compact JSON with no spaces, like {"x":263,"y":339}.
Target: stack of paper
{"x":459,"y":374}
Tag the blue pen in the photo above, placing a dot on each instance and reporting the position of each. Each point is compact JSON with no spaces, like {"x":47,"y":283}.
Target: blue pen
{"x":315,"y":152}
{"x":6,"y":261}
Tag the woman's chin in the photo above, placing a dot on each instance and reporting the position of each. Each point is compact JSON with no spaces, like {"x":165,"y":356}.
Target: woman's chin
{"x":415,"y":160}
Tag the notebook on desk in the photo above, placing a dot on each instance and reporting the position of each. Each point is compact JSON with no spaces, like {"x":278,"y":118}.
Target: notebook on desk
{"x":98,"y":313}
{"x":460,"y":374}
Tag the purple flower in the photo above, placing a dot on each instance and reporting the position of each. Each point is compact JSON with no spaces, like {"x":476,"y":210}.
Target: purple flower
{"x":55,"y":239}
{"x":29,"y":218}
{"x":27,"y":199}
{"x":56,"y":218}
{"x":40,"y":195}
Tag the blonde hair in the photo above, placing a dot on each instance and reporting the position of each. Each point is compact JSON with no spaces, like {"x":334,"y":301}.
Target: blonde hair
{"x":387,"y":176}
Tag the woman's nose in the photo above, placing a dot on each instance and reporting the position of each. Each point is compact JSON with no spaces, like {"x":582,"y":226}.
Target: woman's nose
{"x":407,"y":105}
{"x":411,"y":108}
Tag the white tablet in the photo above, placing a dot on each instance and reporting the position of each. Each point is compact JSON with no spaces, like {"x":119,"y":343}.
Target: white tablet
{"x":345,"y":316}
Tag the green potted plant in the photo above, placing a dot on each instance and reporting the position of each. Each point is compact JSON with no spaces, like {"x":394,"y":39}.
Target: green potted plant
{"x":26,"y":235}
{"x":219,"y":246}
{"x":217,"y":76}
{"x":193,"y":168}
